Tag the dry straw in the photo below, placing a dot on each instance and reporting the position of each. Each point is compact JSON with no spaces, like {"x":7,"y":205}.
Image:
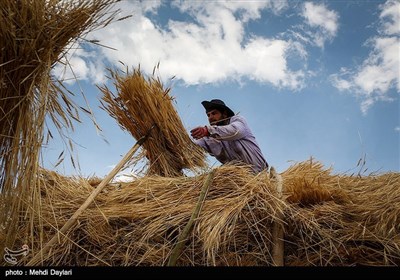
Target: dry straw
{"x":140,"y":103}
{"x":34,"y":36}
{"x":139,"y":223}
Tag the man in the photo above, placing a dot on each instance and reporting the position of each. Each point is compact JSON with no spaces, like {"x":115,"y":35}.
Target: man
{"x":228,"y":137}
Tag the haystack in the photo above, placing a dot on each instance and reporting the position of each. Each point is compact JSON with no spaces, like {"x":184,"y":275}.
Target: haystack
{"x":34,"y":35}
{"x":328,"y":219}
{"x":142,"y":102}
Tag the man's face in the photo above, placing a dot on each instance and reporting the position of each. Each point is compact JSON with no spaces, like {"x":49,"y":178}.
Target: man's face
{"x":215,"y":117}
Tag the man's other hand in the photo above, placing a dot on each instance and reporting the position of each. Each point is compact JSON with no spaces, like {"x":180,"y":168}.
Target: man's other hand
{"x":199,"y":132}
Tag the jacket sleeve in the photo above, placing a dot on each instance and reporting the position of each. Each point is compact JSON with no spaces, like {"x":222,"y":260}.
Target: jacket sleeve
{"x":211,"y":145}
{"x":237,"y":129}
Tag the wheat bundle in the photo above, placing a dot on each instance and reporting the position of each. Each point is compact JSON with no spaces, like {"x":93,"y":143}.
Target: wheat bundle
{"x":139,"y":104}
{"x":34,"y":35}
{"x":342,"y":220}
{"x":138,"y":223}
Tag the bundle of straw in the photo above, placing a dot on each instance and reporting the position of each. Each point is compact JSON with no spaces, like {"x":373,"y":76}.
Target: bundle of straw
{"x":139,"y":223}
{"x":139,"y":104}
{"x":34,"y":35}
{"x":342,"y":220}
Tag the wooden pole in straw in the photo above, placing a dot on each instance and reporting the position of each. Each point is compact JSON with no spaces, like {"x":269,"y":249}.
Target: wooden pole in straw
{"x":89,"y":200}
{"x":277,"y":229}
{"x":183,"y":236}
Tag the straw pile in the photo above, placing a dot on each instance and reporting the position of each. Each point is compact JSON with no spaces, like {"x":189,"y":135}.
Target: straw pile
{"x":329,"y":220}
{"x":139,"y":104}
{"x":343,"y":220}
{"x":34,"y":35}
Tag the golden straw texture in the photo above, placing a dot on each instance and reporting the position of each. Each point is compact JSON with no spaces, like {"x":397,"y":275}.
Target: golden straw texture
{"x":139,"y":104}
{"x":34,"y":35}
{"x":138,"y":223}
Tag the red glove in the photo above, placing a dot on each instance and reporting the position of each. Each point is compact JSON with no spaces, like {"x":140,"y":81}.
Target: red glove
{"x":199,"y":132}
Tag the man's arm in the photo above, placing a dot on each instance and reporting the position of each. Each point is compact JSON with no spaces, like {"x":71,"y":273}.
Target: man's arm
{"x":235,"y":130}
{"x":211,"y":145}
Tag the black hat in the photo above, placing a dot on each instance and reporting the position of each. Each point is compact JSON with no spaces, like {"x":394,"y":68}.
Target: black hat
{"x":217,"y":104}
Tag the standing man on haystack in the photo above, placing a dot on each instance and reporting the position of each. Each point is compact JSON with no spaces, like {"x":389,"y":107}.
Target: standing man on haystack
{"x":228,"y":137}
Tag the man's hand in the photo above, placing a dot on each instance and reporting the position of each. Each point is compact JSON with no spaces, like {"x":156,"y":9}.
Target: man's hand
{"x":199,"y":132}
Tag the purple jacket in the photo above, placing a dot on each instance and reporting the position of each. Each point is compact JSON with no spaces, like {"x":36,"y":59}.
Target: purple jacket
{"x":234,"y":142}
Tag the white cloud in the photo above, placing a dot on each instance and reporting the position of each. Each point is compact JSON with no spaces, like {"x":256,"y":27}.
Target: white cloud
{"x":391,"y":17}
{"x":340,"y":83}
{"x":121,"y":176}
{"x":397,"y":128}
{"x":124,"y":178}
{"x":249,"y":10}
{"x":380,"y":71}
{"x":151,"y":5}
{"x":323,"y":20}
{"x":79,"y":64}
{"x":366,"y":104}
{"x":262,"y":58}
{"x":72,"y":61}
{"x":210,"y":47}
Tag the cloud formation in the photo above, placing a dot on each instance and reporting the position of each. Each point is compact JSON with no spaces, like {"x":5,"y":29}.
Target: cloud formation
{"x":79,"y":64}
{"x":390,"y":16}
{"x":379,"y":72}
{"x":209,"y":46}
{"x":323,"y":21}
{"x":204,"y":42}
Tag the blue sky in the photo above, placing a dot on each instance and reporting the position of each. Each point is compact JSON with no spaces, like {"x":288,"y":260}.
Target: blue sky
{"x":313,"y":78}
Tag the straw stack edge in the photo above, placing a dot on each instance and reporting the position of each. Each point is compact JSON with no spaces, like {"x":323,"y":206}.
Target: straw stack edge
{"x":328,"y":219}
